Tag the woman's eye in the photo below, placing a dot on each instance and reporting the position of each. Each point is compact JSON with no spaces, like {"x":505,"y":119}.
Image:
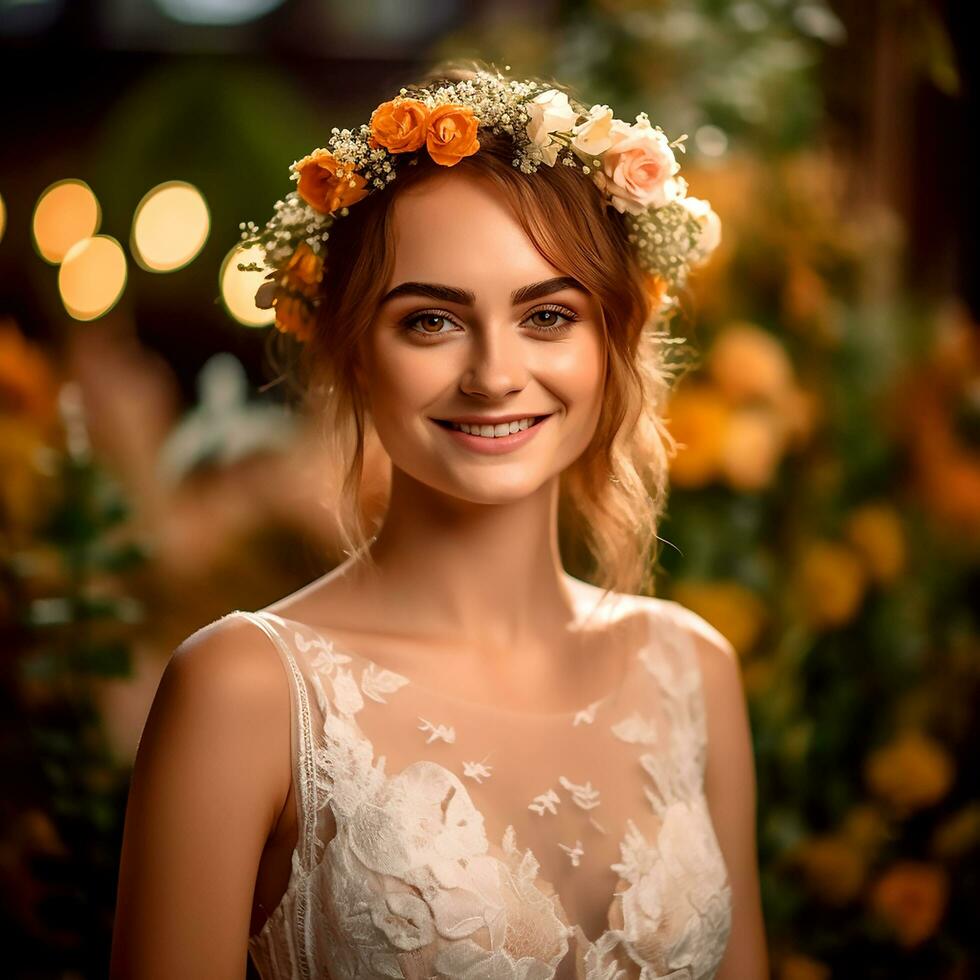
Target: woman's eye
{"x":423,"y":318}
{"x":552,"y":325}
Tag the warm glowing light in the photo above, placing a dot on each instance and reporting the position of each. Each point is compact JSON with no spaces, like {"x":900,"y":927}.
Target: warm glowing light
{"x":3,"y":217}
{"x":92,"y":277}
{"x":238,"y":288}
{"x":217,"y":11}
{"x":170,"y":227}
{"x":65,"y":213}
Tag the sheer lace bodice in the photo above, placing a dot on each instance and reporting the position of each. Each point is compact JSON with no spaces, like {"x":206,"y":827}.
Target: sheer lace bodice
{"x":438,"y":838}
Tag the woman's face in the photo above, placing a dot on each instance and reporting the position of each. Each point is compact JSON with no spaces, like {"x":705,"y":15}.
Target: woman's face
{"x":471,"y":329}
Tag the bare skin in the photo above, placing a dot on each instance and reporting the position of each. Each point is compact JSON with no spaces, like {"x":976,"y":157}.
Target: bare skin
{"x":468,"y":573}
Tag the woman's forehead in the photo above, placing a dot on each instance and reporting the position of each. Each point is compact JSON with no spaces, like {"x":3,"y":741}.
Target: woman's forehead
{"x":456,"y":231}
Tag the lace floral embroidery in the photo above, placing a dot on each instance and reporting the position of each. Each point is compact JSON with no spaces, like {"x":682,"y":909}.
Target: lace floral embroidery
{"x":408,"y":885}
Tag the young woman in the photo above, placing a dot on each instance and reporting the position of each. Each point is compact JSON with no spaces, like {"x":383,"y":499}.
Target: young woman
{"x":448,"y":757}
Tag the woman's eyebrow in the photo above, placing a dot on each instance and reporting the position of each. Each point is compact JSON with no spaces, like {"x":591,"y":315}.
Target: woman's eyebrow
{"x":451,"y":294}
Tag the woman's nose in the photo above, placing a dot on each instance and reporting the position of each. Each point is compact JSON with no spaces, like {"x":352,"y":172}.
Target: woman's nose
{"x":496,"y":364}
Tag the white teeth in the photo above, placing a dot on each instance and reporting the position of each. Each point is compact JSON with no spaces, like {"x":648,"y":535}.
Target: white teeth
{"x":493,"y":431}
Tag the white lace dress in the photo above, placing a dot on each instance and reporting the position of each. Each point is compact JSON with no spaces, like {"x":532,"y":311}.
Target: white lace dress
{"x":440,"y":838}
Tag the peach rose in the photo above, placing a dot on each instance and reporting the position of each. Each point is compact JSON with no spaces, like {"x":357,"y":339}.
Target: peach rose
{"x":326,"y":184}
{"x":638,"y":167}
{"x":400,"y":125}
{"x":452,"y":134}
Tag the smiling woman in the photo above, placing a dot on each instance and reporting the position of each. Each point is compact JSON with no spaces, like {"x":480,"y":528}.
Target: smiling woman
{"x":491,"y":332}
{"x":495,"y":227}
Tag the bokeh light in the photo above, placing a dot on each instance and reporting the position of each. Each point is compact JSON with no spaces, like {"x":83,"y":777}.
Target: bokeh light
{"x":92,"y":277}
{"x":238,"y":288}
{"x":66,"y":212}
{"x":216,"y":11}
{"x":170,"y":227}
{"x":3,"y":217}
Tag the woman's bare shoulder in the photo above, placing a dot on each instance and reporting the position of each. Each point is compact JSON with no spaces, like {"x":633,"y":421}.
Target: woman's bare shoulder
{"x":231,"y":650}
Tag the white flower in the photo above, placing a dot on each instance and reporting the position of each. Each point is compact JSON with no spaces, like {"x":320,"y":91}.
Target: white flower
{"x":587,"y":715}
{"x":710,"y":226}
{"x":408,"y":824}
{"x":476,"y":770}
{"x":574,"y":853}
{"x":446,"y":732}
{"x":594,"y":136}
{"x":549,"y":112}
{"x":636,"y":729}
{"x":404,"y":919}
{"x":585,"y":796}
{"x":376,"y":682}
{"x":346,"y":693}
{"x":545,"y":801}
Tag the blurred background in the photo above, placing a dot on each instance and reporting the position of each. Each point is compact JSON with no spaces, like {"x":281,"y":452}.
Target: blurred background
{"x":825,"y":511}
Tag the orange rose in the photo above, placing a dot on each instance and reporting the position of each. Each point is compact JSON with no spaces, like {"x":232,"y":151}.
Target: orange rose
{"x":293,"y":291}
{"x":400,"y":125}
{"x":911,"y":897}
{"x":327,"y":184}
{"x":451,"y":134}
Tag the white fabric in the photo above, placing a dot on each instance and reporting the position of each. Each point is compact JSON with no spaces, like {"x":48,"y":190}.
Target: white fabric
{"x":444,"y":839}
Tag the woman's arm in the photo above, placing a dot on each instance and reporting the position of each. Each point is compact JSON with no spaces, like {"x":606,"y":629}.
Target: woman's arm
{"x":730,"y":788}
{"x":209,"y":782}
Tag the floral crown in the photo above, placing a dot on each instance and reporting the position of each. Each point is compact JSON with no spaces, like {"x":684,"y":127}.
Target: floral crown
{"x":632,"y":163}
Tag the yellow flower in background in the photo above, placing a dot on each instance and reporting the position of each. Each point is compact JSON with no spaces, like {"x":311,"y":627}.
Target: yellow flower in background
{"x":832,"y":581}
{"x":801,"y":412}
{"x":795,"y":966}
{"x":757,"y":676}
{"x":698,"y":420}
{"x":834,"y":868}
{"x":909,"y":773}
{"x":866,"y":826}
{"x":25,"y":494}
{"x":910,"y":897}
{"x":876,"y":532}
{"x":752,"y":448}
{"x":958,"y":833}
{"x":805,"y":296}
{"x":749,"y":363}
{"x":28,"y":383}
{"x":732,"y":609}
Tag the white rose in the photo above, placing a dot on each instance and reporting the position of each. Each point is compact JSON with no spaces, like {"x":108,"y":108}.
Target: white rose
{"x":594,"y":136}
{"x":710,"y":223}
{"x":549,"y":112}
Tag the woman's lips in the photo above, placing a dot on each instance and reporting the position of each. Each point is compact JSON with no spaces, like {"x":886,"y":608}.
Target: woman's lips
{"x":492,"y":446}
